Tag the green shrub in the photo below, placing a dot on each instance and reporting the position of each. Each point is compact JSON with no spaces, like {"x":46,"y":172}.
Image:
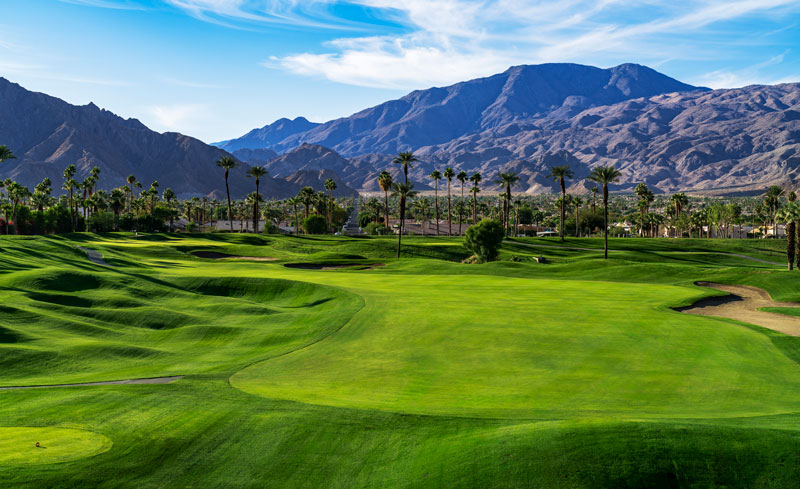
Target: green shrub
{"x":375,"y":228}
{"x":364,"y":218}
{"x":101,"y":222}
{"x":484,"y":239}
{"x":270,"y":228}
{"x":315,"y":225}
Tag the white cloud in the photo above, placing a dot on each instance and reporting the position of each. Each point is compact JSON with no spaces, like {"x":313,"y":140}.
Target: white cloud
{"x":749,"y":75}
{"x":396,"y":62}
{"x":173,"y":117}
{"x":455,"y":40}
{"x":441,"y":41}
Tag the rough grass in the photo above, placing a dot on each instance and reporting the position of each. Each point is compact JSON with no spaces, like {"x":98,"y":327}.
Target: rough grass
{"x":425,"y":373}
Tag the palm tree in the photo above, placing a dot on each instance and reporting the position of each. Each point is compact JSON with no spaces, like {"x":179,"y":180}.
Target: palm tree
{"x":330,"y":186}
{"x":678,"y":201}
{"x":294,"y":202}
{"x":507,"y":179}
{"x":253,"y":201}
{"x":475,"y":179}
{"x":69,"y":186}
{"x":461,"y":177}
{"x":422,"y":207}
{"x":561,"y":173}
{"x":385,"y":182}
{"x":131,"y":180}
{"x":227,"y":163}
{"x":41,"y":193}
{"x":406,"y":160}
{"x":789,"y":215}
{"x":95,"y":175}
{"x":594,"y":199}
{"x":6,"y":153}
{"x":645,"y":199}
{"x":449,"y":174}
{"x":17,"y":193}
{"x":605,"y":175}
{"x":256,"y":172}
{"x":307,"y":197}
{"x":436,"y":175}
{"x":772,"y":200}
{"x":577,"y":202}
{"x":403,"y":191}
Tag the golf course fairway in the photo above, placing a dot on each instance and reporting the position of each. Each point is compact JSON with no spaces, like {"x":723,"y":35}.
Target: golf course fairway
{"x":423,"y":372}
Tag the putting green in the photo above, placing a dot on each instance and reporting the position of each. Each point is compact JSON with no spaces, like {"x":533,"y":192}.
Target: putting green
{"x":492,"y":346}
{"x":18,"y":445}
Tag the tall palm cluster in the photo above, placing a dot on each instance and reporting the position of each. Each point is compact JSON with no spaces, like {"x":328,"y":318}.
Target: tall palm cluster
{"x":136,"y":207}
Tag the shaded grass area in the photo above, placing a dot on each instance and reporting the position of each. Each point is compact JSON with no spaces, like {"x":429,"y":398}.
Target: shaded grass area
{"x":425,"y":373}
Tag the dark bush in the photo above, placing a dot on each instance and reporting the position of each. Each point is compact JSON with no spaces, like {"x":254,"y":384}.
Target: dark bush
{"x":484,"y":239}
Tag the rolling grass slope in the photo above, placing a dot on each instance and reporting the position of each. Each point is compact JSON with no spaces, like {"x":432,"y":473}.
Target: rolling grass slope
{"x":423,"y":373}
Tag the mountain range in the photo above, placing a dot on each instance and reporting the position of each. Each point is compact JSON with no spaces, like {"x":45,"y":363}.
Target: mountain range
{"x":655,"y":129}
{"x":671,"y":135}
{"x":47,"y":134}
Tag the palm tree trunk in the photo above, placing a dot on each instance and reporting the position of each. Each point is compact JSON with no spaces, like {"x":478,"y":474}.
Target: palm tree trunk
{"x":16,"y":224}
{"x":460,"y":215}
{"x":563,"y":198}
{"x":330,"y":211}
{"x":436,"y":202}
{"x":228,"y":193}
{"x":605,"y":221}
{"x":449,"y":215}
{"x":790,"y":243}
{"x":402,"y":223}
{"x":474,"y":208}
{"x":386,"y":208}
{"x":256,"y":213}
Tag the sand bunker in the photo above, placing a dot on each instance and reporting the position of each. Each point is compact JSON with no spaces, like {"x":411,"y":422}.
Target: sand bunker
{"x":742,"y":305}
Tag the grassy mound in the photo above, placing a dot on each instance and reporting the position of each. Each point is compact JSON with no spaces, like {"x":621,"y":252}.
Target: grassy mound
{"x":423,"y":373}
{"x":18,"y":445}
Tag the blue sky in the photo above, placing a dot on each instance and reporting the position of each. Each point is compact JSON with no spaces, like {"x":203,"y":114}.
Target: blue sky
{"x":215,"y":69}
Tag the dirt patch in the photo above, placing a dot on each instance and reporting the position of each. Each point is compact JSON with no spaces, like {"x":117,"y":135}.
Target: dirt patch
{"x":215,"y":255}
{"x":152,"y":380}
{"x":324,"y":266}
{"x":742,"y":304}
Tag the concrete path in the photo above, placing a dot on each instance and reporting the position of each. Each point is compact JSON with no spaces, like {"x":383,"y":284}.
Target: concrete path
{"x":94,"y":256}
{"x":152,"y":380}
{"x":742,"y":304}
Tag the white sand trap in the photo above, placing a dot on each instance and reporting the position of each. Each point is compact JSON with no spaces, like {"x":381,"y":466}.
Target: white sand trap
{"x":742,"y":305}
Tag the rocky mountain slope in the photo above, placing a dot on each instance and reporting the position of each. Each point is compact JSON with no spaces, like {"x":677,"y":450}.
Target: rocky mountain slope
{"x":47,"y":134}
{"x":657,"y":130}
{"x":269,"y":135}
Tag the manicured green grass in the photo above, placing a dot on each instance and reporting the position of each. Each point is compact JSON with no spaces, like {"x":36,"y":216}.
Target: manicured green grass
{"x":789,"y":311}
{"x":18,"y":445}
{"x":422,"y":373}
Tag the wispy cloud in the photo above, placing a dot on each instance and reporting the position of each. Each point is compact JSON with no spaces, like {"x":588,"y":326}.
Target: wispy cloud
{"x":115,"y":4}
{"x":749,"y":75}
{"x":442,"y":41}
{"x":188,"y":83}
{"x":27,"y":70}
{"x":173,"y":117}
{"x":459,"y":39}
